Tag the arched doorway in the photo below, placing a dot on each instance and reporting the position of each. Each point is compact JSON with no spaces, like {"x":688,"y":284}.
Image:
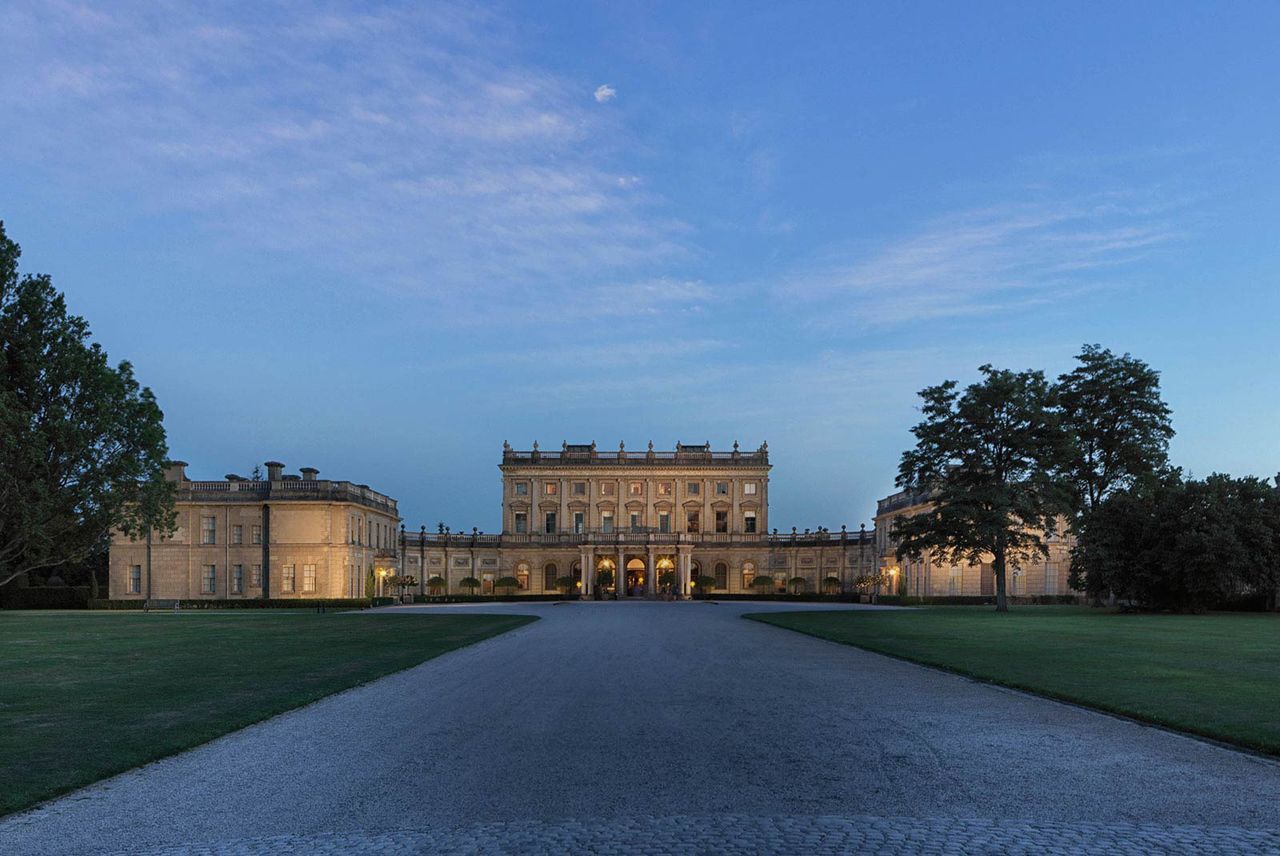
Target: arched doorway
{"x":637,"y":577}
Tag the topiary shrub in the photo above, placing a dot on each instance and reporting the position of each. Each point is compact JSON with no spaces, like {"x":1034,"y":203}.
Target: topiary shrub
{"x":566,"y":585}
{"x":469,"y":583}
{"x":667,"y":579}
{"x":506,"y":585}
{"x":763,"y":584}
{"x":831,"y":585}
{"x":703,"y":586}
{"x":437,"y":585}
{"x":798,"y":584}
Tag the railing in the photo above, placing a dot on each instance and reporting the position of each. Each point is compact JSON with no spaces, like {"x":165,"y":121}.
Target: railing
{"x":605,"y":458}
{"x":463,"y":540}
{"x":901,"y":499}
{"x":290,"y":489}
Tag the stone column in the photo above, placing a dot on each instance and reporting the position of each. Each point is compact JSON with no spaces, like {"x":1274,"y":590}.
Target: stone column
{"x":651,"y":572}
{"x":585,"y":559}
{"x":620,"y":574}
{"x":685,"y":563}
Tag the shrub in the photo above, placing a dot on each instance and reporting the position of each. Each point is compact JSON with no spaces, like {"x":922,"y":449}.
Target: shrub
{"x":831,"y":585}
{"x":470,"y":583}
{"x":566,"y":584}
{"x":436,"y":585}
{"x":245,"y":603}
{"x":798,"y":584}
{"x":704,"y":585}
{"x":507,"y":585}
{"x":42,"y":597}
{"x":763,"y":583}
{"x":667,"y":579}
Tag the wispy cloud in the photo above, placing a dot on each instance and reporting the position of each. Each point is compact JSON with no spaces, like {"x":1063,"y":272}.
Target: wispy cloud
{"x":986,"y":260}
{"x":605,"y":92}
{"x":397,"y":142}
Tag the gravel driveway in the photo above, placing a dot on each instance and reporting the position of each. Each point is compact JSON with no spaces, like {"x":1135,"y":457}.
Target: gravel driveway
{"x":682,"y":727}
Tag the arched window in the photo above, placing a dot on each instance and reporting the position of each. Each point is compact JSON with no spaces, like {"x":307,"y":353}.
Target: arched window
{"x":522,"y":575}
{"x":748,"y":575}
{"x":722,"y":575}
{"x":549,"y":577}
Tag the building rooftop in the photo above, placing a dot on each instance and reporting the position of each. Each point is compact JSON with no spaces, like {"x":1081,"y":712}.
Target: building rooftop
{"x":586,"y":454}
{"x":276,"y":486}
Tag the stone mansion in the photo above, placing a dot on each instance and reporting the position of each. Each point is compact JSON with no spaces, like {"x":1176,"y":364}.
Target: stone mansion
{"x":686,"y":517}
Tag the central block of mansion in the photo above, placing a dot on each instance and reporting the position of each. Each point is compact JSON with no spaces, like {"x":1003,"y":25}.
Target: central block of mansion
{"x":685,"y":515}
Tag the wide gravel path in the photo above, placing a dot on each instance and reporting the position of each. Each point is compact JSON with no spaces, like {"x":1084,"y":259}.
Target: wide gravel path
{"x":673,"y":728}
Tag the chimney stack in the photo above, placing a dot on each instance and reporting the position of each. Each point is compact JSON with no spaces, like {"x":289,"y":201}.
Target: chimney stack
{"x":275,"y":470}
{"x":309,"y":473}
{"x":175,"y":471}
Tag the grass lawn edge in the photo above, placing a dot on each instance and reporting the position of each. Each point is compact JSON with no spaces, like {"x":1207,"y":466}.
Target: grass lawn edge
{"x":1262,"y":750}
{"x":203,"y":740}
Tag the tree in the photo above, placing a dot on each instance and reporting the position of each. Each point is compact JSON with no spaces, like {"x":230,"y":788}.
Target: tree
{"x":832,"y":584}
{"x":763,"y":582}
{"x":470,"y":583}
{"x":704,"y":585}
{"x":82,"y":445}
{"x":566,"y":584}
{"x":798,"y":585}
{"x":436,"y":585}
{"x":507,"y":585}
{"x":1184,"y":545}
{"x":987,"y":459}
{"x":1117,"y":424}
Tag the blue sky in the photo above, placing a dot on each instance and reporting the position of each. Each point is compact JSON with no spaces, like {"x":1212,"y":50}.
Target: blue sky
{"x":380,"y":239}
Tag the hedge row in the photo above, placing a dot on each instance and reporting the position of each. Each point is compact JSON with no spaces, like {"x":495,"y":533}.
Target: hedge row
{"x":44,"y":597}
{"x":246,"y":603}
{"x":489,"y":598}
{"x":976,"y":600}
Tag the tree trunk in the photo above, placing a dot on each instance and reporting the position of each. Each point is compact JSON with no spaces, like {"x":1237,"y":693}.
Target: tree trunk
{"x":998,"y":571}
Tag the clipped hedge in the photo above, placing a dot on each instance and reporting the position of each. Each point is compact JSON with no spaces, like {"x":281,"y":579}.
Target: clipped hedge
{"x":245,"y":603}
{"x":45,"y":597}
{"x":977,"y":600}
{"x":490,"y":598}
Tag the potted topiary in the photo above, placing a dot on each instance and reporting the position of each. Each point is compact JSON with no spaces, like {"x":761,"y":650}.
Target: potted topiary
{"x":506,"y":586}
{"x":470,"y":584}
{"x":604,"y":579}
{"x":763,"y":584}
{"x":832,"y":585}
{"x":436,"y":586}
{"x":798,"y":585}
{"x":566,"y":585}
{"x":667,"y":582}
{"x":703,"y":586}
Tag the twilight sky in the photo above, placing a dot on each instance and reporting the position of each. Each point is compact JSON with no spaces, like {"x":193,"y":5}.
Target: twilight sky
{"x":380,"y":239}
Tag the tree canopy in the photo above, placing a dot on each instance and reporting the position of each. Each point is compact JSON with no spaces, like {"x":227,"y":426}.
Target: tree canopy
{"x":82,"y":444}
{"x":989,"y":459}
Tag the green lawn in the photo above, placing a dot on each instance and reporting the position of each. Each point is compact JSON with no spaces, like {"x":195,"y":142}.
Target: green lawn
{"x":84,"y":695}
{"x":1215,"y":675}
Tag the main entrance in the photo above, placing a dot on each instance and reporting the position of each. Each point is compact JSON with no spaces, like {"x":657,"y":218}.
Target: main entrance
{"x":636,"y":579}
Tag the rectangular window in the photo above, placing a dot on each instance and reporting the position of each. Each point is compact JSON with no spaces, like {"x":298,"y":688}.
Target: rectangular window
{"x":579,"y":488}
{"x":749,"y":522}
{"x":691,"y":522}
{"x":135,"y":579}
{"x":579,"y":522}
{"x":549,"y":523}
{"x":255,"y":576}
{"x":286,"y":579}
{"x":237,"y":579}
{"x":237,"y":534}
{"x":664,"y":522}
{"x":551,"y":488}
{"x":635,"y":521}
{"x":522,"y":488}
{"x":722,"y":575}
{"x":637,"y":488}
{"x":308,"y":578}
{"x":607,"y":488}
{"x":208,"y":530}
{"x":722,"y":488}
{"x":749,"y":489}
{"x":722,"y":521}
{"x":694,"y":488}
{"x":209,"y":579}
{"x":522,"y":522}
{"x":255,"y":534}
{"x":664,"y":488}
{"x":606,"y":523}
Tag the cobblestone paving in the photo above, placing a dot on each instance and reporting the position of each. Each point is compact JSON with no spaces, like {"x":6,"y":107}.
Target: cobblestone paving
{"x":738,"y":834}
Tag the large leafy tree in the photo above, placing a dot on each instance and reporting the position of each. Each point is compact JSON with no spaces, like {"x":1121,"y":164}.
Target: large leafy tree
{"x":1118,"y":429}
{"x":988,"y":458}
{"x":1117,"y":422}
{"x":82,"y":445}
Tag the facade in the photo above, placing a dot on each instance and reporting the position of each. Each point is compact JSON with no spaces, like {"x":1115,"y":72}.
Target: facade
{"x":693,"y":512}
{"x":1042,"y":577}
{"x":297,"y":535}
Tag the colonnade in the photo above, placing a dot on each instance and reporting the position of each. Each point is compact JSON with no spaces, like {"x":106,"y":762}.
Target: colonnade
{"x":683,"y":568}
